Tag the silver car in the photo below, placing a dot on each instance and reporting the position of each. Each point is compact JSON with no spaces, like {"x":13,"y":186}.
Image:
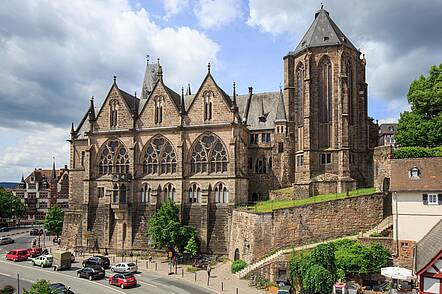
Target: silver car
{"x":125,"y":267}
{"x":6,"y":240}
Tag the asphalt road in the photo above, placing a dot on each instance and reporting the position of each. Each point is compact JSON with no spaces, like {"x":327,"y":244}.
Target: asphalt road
{"x":148,"y":282}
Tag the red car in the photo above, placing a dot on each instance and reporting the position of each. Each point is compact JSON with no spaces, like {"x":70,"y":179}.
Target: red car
{"x":125,"y":280}
{"x":34,"y":251}
{"x":17,"y":255}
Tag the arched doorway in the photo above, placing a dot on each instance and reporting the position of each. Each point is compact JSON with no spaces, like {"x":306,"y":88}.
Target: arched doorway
{"x":236,"y":257}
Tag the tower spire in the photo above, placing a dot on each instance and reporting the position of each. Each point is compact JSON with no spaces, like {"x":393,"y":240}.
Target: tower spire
{"x":234,"y":93}
{"x":53,"y":173}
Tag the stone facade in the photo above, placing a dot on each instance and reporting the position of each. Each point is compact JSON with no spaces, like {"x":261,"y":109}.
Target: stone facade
{"x":210,"y":151}
{"x":256,"y":234}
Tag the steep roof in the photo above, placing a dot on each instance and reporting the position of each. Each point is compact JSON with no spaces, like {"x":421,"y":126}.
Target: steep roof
{"x":388,"y":129}
{"x":428,"y":247}
{"x":322,"y":32}
{"x":280,"y":111}
{"x":262,"y":111}
{"x":430,"y":174}
{"x":131,"y":101}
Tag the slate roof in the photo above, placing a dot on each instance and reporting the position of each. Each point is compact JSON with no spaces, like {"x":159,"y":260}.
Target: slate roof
{"x":39,"y":174}
{"x":428,"y":247}
{"x":322,"y":32}
{"x":176,"y":98}
{"x":388,"y":129}
{"x":131,"y":101}
{"x":430,"y":178}
{"x":280,"y":111}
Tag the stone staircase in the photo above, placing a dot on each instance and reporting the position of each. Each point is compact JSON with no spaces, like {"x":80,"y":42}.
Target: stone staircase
{"x":379,"y":228}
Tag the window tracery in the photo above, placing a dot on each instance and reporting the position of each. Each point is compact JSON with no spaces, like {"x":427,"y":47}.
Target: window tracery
{"x":114,"y":158}
{"x":194,"y":194}
{"x":209,"y":155}
{"x":160,"y":157}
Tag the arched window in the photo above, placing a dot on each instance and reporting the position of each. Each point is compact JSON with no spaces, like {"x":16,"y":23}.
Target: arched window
{"x":209,"y":155}
{"x":114,"y":104}
{"x":170,"y":192}
{"x":123,"y":194}
{"x":159,"y":151}
{"x":146,"y":191}
{"x":299,"y":104}
{"x":159,"y":104}
{"x":194,"y":194}
{"x":350,"y":98}
{"x":114,"y":158}
{"x":208,"y":105}
{"x":221,"y":193}
{"x":260,"y":166}
{"x":325,"y":90}
{"x":115,"y":194}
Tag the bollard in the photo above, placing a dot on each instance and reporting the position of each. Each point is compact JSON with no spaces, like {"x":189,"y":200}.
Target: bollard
{"x":236,"y":290}
{"x":147,"y":264}
{"x":194,"y":275}
{"x":222,"y":286}
{"x":182,"y":273}
{"x":156,"y":266}
{"x":208,"y":280}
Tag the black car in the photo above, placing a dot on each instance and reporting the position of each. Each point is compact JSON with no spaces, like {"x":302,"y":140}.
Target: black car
{"x":91,"y":273}
{"x":97,"y":260}
{"x":36,"y":232}
{"x":4,"y":229}
{"x":60,"y":288}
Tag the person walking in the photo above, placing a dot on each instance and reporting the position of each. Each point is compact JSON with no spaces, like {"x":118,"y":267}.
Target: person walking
{"x":209,"y":269}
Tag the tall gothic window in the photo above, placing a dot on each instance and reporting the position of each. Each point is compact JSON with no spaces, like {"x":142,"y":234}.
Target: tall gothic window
{"x":260,"y":166}
{"x":115,"y":194}
{"x":299,"y":104}
{"x":146,"y":192}
{"x":159,"y":104}
{"x":209,"y":155}
{"x":350,"y":94}
{"x":208,"y":105}
{"x":114,"y":104}
{"x":113,"y":158}
{"x":159,"y":157}
{"x":221,"y":193}
{"x":325,"y":90}
{"x":123,"y":194}
{"x":170,"y":192}
{"x":194,"y":194}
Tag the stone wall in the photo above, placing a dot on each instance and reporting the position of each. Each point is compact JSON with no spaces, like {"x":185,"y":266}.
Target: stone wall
{"x":404,"y":253}
{"x":256,"y":234}
{"x":382,"y":167}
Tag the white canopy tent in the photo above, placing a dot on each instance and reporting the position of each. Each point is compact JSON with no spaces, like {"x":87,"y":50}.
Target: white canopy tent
{"x":398,"y":273}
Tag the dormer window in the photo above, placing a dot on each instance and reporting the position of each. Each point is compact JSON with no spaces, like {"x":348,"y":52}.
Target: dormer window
{"x":326,"y":38}
{"x":113,"y":113}
{"x":414,"y":173}
{"x":208,"y":105}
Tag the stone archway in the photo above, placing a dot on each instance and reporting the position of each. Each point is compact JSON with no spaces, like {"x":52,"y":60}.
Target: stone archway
{"x":236,"y":257}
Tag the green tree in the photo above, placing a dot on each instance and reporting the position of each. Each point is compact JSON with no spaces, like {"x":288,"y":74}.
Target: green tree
{"x":165,"y":229}
{"x":423,"y":125}
{"x":378,"y":257}
{"x":40,"y":287}
{"x":10,"y":205}
{"x":191,"y":247}
{"x":318,"y":280}
{"x":324,"y":255}
{"x":54,"y":220}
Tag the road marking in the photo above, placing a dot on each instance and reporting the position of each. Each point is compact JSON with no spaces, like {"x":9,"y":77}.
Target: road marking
{"x":58,"y":273}
{"x":147,"y":284}
{"x":6,"y":275}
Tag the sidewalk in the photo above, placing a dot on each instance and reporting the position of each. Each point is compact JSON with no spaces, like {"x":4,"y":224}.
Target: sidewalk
{"x":221,"y":277}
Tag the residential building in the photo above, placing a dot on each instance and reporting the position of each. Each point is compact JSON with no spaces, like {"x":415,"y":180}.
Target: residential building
{"x":387,"y":133}
{"x":416,"y":186}
{"x":41,"y":190}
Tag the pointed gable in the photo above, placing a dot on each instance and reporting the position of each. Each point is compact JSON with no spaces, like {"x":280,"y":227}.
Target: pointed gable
{"x":322,"y":32}
{"x":221,"y":103}
{"x":171,"y":107}
{"x":125,"y":105}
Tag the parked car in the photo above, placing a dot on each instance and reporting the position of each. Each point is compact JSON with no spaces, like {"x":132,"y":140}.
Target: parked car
{"x":34,"y":251}
{"x":62,"y":260}
{"x":6,"y":240}
{"x":91,"y":273}
{"x":17,"y":255}
{"x":125,"y":267}
{"x":36,"y":232}
{"x":125,"y":280}
{"x":42,"y":260}
{"x":97,"y":260}
{"x":4,"y":229}
{"x":61,"y":288}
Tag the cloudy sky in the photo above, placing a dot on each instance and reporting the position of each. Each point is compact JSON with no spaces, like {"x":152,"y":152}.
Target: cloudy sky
{"x":55,"y":55}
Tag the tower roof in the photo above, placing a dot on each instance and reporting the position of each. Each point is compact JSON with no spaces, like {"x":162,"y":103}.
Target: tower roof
{"x":322,"y":32}
{"x":280,"y":111}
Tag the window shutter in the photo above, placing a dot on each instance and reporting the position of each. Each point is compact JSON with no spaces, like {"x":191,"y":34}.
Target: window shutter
{"x":439,"y":196}
{"x":425,"y":199}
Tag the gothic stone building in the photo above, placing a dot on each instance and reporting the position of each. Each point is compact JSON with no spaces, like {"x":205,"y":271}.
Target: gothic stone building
{"x":210,"y":151}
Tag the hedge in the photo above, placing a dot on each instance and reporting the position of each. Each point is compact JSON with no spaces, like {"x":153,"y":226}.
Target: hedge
{"x":416,"y":152}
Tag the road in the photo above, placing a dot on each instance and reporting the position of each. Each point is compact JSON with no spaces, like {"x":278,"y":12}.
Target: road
{"x":148,"y":282}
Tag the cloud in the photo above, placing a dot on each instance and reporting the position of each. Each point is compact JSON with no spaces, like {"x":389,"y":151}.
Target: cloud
{"x":173,"y":7}
{"x":32,"y":148}
{"x":401,"y":39}
{"x":54,"y":55}
{"x":217,"y":13}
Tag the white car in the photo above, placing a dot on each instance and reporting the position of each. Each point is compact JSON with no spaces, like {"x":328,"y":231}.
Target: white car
{"x":125,"y":267}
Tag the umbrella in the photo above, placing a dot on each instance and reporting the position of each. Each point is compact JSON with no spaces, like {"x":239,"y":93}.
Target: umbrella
{"x":398,"y":273}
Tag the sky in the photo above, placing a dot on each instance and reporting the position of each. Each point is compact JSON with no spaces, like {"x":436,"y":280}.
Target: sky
{"x":55,"y":55}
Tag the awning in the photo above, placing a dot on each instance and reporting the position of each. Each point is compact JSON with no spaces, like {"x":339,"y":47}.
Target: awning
{"x":398,"y":273}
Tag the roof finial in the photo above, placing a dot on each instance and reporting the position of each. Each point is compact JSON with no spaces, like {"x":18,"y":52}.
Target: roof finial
{"x":182,"y":101}
{"x":234,"y":93}
{"x":322,"y":5}
{"x":208,"y":67}
{"x":147,"y":58}
{"x":158,"y":61}
{"x":188,"y":91}
{"x":72,"y":128}
{"x":135,"y":94}
{"x":115,"y":79}
{"x":54,"y":174}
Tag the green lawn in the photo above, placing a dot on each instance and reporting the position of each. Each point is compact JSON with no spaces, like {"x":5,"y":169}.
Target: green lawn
{"x":269,"y":205}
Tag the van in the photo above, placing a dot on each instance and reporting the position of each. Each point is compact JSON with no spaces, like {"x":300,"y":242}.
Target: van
{"x":17,"y":255}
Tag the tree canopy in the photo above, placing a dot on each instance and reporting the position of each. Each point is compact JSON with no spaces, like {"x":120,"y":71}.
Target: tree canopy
{"x":165,"y":229}
{"x":54,"y":220}
{"x":10,"y":205}
{"x":422,"y":126}
{"x":40,"y":287}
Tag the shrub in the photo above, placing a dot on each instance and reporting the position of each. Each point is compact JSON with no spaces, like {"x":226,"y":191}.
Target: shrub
{"x":238,"y":265}
{"x":417,"y":152}
{"x":376,"y":234}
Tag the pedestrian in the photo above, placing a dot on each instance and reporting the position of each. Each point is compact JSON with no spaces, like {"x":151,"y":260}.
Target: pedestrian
{"x":105,"y":251}
{"x":209,"y":269}
{"x":150,"y":257}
